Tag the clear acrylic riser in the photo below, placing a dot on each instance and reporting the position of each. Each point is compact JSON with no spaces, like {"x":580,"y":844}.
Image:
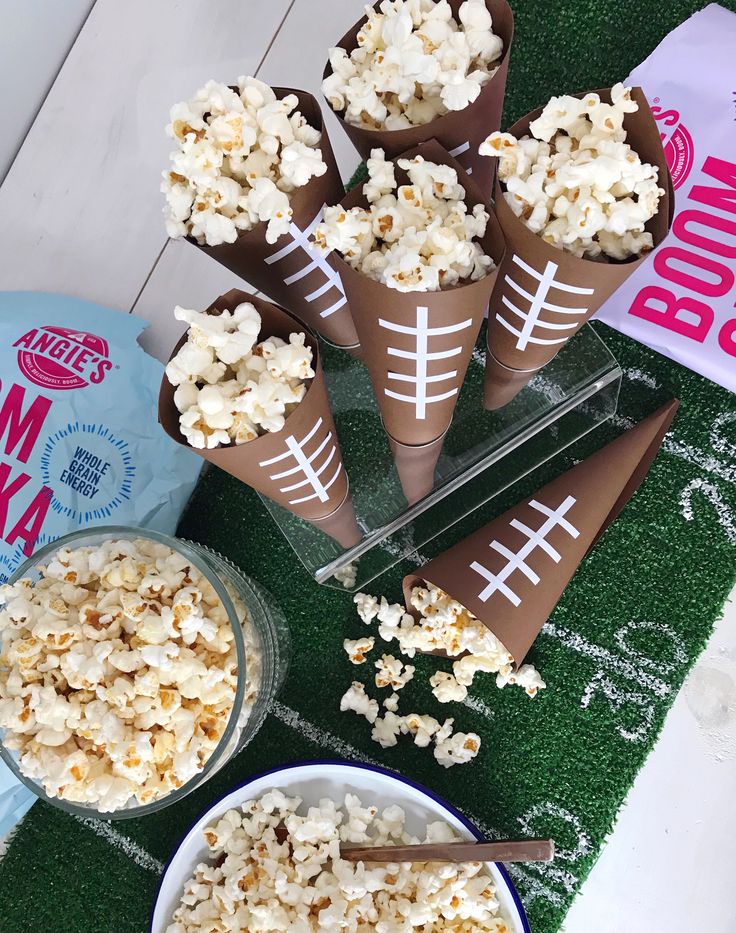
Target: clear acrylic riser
{"x":484,"y":453}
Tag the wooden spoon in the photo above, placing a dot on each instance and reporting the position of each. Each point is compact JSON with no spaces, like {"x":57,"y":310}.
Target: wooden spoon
{"x":526,"y":850}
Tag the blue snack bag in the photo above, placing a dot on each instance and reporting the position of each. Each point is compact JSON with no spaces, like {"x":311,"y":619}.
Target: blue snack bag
{"x":80,"y":443}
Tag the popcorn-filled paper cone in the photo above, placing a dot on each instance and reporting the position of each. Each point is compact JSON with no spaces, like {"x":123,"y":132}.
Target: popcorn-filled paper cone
{"x":543,"y":295}
{"x":460,"y":131}
{"x":300,"y":467}
{"x":417,"y":345}
{"x":512,"y":572}
{"x":287,"y":270}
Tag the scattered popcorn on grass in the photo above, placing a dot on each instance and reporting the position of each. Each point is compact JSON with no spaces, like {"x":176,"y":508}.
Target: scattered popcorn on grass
{"x":275,"y":865}
{"x":118,"y":673}
{"x":240,"y":153}
{"x":229,"y":388}
{"x":414,"y":62}
{"x":576,"y":181}
{"x":393,"y":673}
{"x":358,"y":649}
{"x":421,"y":236}
{"x":447,"y":626}
{"x":356,"y":700}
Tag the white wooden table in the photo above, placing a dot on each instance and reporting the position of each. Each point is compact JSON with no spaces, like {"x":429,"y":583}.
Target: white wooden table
{"x":82,"y":215}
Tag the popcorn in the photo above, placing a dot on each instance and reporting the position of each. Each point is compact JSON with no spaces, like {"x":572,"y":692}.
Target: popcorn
{"x":413,"y":237}
{"x":367,"y":607}
{"x":240,"y":153}
{"x":392,"y":673}
{"x":356,"y":700}
{"x":458,"y":749}
{"x":275,"y":865}
{"x":387,"y":729}
{"x":347,"y":575}
{"x":357,"y":650}
{"x":576,"y":182}
{"x":446,"y":688}
{"x":119,"y":673}
{"x":414,"y":62}
{"x":231,"y":389}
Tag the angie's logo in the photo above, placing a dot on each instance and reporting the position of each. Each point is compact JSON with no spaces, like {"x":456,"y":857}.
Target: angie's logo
{"x":677,"y":141}
{"x":62,"y":358}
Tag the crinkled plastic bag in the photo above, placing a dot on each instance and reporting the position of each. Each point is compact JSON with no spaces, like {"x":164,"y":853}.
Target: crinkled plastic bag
{"x":681,"y":302}
{"x":80,"y":444}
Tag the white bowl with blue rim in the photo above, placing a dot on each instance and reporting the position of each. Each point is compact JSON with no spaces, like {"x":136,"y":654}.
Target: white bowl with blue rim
{"x":312,"y":781}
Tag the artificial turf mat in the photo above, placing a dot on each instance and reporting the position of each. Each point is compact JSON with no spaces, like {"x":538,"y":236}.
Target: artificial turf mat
{"x":614,"y":654}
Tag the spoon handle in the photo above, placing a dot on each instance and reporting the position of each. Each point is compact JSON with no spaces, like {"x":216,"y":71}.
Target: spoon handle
{"x":526,"y":850}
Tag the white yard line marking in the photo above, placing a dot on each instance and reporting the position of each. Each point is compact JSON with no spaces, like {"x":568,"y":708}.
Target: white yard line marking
{"x":479,"y":706}
{"x":124,"y":844}
{"x":637,"y":375}
{"x":724,"y":514}
{"x":621,"y":666}
{"x":319,"y":736}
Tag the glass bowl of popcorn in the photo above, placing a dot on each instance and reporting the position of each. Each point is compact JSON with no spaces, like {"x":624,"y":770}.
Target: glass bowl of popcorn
{"x":134,"y":665}
{"x":267,"y":856}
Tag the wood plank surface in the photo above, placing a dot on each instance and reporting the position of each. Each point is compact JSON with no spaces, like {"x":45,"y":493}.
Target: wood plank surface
{"x":296,"y":59}
{"x":81,"y":205}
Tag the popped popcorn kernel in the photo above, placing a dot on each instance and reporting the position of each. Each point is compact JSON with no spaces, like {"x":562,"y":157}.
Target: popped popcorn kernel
{"x":576,"y":182}
{"x":414,"y":62}
{"x":230,"y":388}
{"x":240,"y":153}
{"x":420,"y":236}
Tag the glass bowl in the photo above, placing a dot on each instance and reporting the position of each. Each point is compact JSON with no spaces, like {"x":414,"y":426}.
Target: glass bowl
{"x":262,"y":646}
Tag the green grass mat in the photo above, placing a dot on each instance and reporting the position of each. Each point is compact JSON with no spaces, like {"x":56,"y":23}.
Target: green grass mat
{"x":614,"y":653}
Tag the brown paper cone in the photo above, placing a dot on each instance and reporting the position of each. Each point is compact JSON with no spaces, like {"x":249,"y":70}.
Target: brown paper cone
{"x":460,"y":131}
{"x":288,"y":271}
{"x":300,"y":467}
{"x":511,"y":573}
{"x":415,"y":465}
{"x":544,"y":295}
{"x":417,"y":345}
{"x":502,"y":384}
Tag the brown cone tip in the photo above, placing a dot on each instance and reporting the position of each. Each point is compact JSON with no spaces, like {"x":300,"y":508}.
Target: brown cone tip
{"x":543,"y":295}
{"x":341,"y":525}
{"x":300,"y":467}
{"x":501,"y":384}
{"x":289,"y":271}
{"x":460,"y":131}
{"x":512,"y":572}
{"x":415,"y":465}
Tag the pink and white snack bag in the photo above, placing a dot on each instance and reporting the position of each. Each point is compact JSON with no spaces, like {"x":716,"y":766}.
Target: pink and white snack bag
{"x":682,"y":302}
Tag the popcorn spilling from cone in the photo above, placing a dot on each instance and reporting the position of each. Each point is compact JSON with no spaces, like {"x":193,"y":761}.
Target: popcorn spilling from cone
{"x":414,"y":62}
{"x":229,"y":387}
{"x":576,"y":182}
{"x":446,"y":627}
{"x":415,"y":237}
{"x":240,"y":153}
